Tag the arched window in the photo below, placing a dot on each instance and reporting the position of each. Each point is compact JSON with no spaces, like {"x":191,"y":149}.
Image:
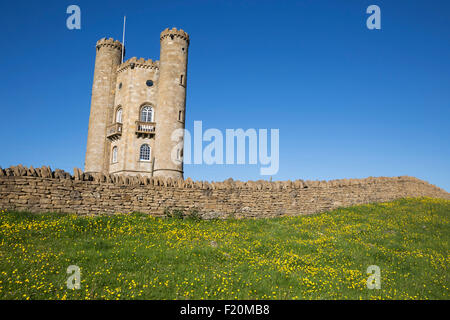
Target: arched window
{"x":147,"y":114}
{"x":119,"y":115}
{"x":144,"y":154}
{"x":114,"y":155}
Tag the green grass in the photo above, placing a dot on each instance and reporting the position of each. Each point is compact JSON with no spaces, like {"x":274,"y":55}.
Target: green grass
{"x":322,"y":256}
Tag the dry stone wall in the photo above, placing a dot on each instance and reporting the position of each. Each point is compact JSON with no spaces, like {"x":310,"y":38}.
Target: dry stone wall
{"x":43,"y":190}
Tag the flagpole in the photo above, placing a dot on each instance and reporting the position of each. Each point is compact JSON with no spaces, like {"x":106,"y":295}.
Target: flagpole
{"x":123,"y":36}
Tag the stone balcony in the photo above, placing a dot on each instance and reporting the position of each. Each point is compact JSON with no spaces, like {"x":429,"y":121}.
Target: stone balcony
{"x":145,"y":129}
{"x":114,"y":131}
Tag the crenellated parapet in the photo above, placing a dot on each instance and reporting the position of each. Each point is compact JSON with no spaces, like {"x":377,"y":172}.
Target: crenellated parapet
{"x":138,"y":63}
{"x":109,"y":43}
{"x":174,"y":32}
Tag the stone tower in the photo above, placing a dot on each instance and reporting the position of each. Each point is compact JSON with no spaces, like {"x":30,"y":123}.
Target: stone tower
{"x":107,"y":60}
{"x":171,"y":102}
{"x":136,"y":107}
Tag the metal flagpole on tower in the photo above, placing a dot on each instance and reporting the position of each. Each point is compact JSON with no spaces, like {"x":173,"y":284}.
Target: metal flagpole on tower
{"x":123,"y":36}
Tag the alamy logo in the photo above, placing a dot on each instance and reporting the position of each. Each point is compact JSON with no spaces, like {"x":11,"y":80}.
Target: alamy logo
{"x":74,"y":281}
{"x":374,"y":20}
{"x":374,"y":280}
{"x":214,"y":151}
{"x":74,"y":20}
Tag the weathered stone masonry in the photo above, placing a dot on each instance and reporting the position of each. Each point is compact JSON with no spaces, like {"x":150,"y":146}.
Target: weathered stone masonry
{"x":136,"y":106}
{"x":44,"y":190}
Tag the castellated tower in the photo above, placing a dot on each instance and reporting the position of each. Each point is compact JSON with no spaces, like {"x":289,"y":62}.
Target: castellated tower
{"x":136,"y":106}
{"x":107,"y":59}
{"x":172,"y":102}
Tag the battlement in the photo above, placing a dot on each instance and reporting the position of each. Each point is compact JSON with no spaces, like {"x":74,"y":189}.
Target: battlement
{"x":138,"y":63}
{"x":174,"y":32}
{"x":109,"y":43}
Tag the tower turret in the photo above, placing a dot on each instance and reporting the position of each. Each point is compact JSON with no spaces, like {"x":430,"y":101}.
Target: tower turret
{"x":171,"y":102}
{"x":107,"y":59}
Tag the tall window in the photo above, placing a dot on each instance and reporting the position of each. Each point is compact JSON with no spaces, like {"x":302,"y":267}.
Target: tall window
{"x":114,"y":155}
{"x":147,"y":114}
{"x":144,"y":154}
{"x":119,"y":115}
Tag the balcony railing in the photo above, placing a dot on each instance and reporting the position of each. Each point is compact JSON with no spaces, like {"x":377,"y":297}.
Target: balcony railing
{"x":114,"y":131}
{"x":145,"y":128}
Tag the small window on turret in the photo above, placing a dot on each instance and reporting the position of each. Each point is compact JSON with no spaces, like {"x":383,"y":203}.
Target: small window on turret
{"x":149,"y":83}
{"x":119,"y":115}
{"x":114,"y":155}
{"x":179,"y":154}
{"x":182,"y":80}
{"x":120,"y":85}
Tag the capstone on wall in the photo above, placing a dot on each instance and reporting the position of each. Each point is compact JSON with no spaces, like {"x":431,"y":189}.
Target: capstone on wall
{"x":43,"y":190}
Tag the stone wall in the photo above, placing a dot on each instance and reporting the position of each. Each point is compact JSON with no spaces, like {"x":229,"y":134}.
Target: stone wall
{"x":44,"y":190}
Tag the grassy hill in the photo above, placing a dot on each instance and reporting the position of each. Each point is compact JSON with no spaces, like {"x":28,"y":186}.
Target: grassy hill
{"x":322,"y":256}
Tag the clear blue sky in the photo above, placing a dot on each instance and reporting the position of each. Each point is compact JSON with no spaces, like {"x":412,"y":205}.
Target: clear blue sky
{"x":349,"y":102}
